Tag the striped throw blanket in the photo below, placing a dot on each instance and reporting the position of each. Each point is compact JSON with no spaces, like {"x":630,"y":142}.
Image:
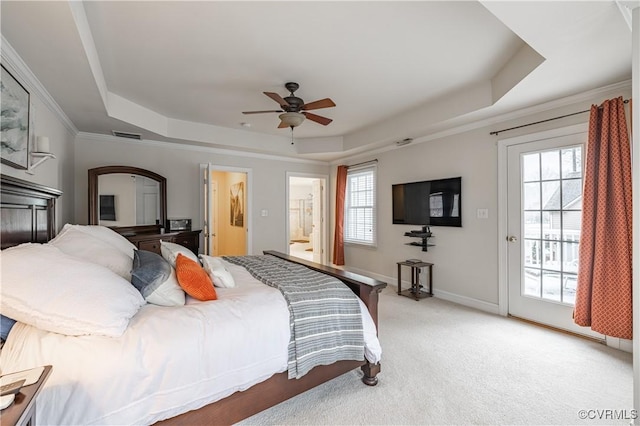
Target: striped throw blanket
{"x":325,"y":317}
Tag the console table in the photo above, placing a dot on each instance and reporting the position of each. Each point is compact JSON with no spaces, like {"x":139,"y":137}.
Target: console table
{"x":415,"y":292}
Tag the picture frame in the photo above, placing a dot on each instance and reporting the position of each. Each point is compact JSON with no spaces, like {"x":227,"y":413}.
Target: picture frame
{"x":107,"y":207}
{"x":15,"y":133}
{"x":236,"y":201}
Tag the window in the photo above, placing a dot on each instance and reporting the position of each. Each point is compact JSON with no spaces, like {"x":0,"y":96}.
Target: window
{"x":360,"y":206}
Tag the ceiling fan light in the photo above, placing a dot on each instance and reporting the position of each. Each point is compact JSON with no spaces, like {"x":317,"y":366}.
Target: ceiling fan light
{"x":292,"y":119}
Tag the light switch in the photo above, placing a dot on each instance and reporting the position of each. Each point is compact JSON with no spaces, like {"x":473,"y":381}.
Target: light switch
{"x":264,"y":212}
{"x":482,"y":213}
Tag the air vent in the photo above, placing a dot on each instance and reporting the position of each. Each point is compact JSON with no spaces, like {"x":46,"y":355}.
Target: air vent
{"x":406,"y":141}
{"x":127,"y":135}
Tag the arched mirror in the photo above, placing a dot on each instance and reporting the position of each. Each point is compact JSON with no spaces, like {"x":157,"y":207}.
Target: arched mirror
{"x":127,"y":199}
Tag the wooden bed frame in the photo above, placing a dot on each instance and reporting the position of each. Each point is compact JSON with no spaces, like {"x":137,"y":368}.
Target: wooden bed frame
{"x":28,"y":215}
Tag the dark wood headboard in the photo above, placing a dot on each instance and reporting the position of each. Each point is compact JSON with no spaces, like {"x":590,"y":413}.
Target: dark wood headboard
{"x":27,"y":212}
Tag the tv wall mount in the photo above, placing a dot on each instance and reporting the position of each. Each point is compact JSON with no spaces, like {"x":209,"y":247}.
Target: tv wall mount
{"x":424,"y":234}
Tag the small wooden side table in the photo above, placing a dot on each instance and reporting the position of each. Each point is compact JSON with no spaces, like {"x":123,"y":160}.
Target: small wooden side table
{"x":415,"y":292}
{"x":23,"y":409}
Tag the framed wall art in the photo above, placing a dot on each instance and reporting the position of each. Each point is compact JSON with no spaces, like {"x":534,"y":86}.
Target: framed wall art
{"x":15,"y":131}
{"x":237,"y":204}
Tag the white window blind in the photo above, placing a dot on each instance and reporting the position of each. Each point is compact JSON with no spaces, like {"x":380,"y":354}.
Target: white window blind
{"x":360,"y":206}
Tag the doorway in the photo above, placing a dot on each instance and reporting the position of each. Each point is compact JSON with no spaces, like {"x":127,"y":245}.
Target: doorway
{"x":227,"y":213}
{"x":306,"y":224}
{"x":541,"y":190}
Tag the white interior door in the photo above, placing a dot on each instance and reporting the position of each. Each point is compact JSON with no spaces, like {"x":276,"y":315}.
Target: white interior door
{"x":213,"y":218}
{"x":210,"y":197}
{"x":226,"y":206}
{"x":150,"y":192}
{"x":544,"y":208}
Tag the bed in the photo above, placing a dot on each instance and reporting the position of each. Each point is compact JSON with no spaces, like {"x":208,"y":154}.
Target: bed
{"x":255,"y":383}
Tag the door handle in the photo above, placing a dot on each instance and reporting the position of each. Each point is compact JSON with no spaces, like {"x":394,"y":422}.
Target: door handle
{"x":512,"y":239}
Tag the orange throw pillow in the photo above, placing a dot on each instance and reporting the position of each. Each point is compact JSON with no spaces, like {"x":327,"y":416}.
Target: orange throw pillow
{"x":193,"y":279}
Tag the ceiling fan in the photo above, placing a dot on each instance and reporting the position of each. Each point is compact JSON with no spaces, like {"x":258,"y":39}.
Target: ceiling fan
{"x":294,"y":110}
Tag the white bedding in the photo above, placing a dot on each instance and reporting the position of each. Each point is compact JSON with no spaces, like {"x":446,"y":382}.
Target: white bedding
{"x":157,"y":369}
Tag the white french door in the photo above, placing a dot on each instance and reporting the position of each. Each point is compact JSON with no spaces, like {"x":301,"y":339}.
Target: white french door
{"x":544,"y":211}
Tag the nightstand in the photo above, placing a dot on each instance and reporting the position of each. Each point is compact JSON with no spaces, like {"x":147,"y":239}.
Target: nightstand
{"x":22,"y":412}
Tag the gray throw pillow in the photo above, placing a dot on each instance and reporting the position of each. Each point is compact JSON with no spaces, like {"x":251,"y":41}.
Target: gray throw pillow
{"x":156,"y":279}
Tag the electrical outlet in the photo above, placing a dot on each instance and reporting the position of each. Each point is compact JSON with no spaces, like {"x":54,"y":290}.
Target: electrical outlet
{"x":482,"y":213}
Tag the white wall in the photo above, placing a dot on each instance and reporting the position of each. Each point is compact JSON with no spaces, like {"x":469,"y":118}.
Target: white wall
{"x":465,"y":259}
{"x":636,"y":206}
{"x":123,"y":187}
{"x":54,"y":173}
{"x":181,"y":167}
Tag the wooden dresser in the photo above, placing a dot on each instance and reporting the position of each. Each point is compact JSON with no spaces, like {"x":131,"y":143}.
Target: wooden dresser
{"x":151,"y":241}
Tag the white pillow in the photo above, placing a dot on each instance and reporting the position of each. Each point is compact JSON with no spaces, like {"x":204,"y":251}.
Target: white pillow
{"x":53,"y":291}
{"x":105,"y":234}
{"x":217,"y":271}
{"x":84,"y":246}
{"x":170,"y":252}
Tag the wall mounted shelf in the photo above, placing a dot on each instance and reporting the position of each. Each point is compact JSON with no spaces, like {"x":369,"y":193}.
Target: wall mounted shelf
{"x":42,"y":156}
{"x":424,"y":234}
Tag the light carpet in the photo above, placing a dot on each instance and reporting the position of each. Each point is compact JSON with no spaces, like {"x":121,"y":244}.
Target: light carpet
{"x":444,"y":363}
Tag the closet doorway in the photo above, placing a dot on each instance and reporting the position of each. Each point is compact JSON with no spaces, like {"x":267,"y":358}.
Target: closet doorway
{"x":306,"y":224}
{"x":226,"y":202}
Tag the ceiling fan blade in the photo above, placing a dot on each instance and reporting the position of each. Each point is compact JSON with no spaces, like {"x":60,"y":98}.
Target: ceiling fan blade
{"x":276,"y":98}
{"x":261,"y":112}
{"x":317,"y":118}
{"x":282,"y":125}
{"x":322,"y":103}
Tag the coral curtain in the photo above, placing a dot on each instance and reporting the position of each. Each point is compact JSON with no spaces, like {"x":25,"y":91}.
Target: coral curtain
{"x":603,"y":295}
{"x":338,"y":238}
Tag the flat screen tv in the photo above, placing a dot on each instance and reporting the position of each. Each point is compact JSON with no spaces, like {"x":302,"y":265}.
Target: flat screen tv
{"x":428,"y":203}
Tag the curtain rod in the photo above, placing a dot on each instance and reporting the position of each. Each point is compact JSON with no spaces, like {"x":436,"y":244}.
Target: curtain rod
{"x":363,"y":163}
{"x":626,"y":101}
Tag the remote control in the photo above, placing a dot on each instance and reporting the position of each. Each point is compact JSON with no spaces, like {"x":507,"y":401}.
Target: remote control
{"x":11,"y":388}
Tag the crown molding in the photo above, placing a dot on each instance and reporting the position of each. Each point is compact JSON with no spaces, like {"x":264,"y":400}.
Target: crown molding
{"x":495,"y":119}
{"x":20,"y":70}
{"x":96,"y":137}
{"x":559,"y":103}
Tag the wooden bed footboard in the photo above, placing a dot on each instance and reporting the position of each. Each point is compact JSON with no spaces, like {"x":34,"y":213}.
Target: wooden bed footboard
{"x":279,"y":387}
{"x":365,"y":288}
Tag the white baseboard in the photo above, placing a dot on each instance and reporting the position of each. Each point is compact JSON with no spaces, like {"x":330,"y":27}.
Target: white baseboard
{"x":467,"y":301}
{"x":493,"y":308}
{"x":392,"y":282}
{"x":617,"y":343}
